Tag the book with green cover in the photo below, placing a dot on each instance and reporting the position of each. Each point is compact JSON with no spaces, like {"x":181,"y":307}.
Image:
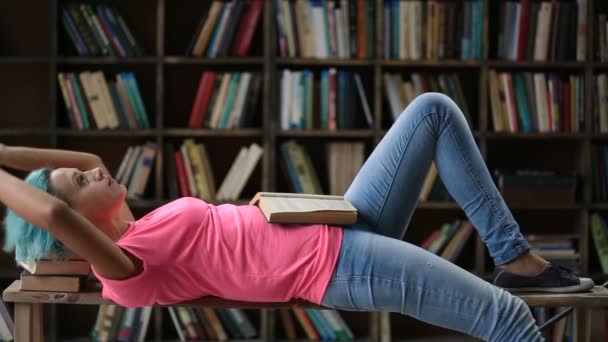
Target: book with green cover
{"x":600,"y":240}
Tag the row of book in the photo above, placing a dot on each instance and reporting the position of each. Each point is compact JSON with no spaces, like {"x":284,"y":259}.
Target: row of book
{"x":98,"y":30}
{"x":537,"y":102}
{"x":400,"y":92}
{"x":226,"y":100}
{"x":531,"y":186}
{"x":326,"y":28}
{"x":560,"y":249}
{"x":542,"y":31}
{"x":563,"y":330}
{"x":600,"y":102}
{"x":135,"y":168}
{"x":116,"y":323}
{"x":91,"y":101}
{"x":227,"y":27}
{"x":326,"y":103}
{"x":429,"y":30}
{"x":317,"y":324}
{"x":189,"y":171}
{"x":201,"y":323}
{"x":599,"y":172}
{"x":449,"y":239}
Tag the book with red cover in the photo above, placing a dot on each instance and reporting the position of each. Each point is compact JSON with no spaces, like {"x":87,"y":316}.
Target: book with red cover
{"x":181,"y":174}
{"x":524,"y":28}
{"x":247,"y":28}
{"x":203,"y":98}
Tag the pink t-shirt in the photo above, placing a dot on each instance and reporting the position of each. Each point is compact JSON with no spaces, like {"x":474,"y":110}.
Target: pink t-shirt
{"x":190,"y":249}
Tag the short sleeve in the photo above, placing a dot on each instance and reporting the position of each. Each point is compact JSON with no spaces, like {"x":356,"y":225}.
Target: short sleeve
{"x":136,"y":291}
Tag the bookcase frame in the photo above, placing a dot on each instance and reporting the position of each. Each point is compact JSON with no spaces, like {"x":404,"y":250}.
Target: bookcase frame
{"x":32,"y":125}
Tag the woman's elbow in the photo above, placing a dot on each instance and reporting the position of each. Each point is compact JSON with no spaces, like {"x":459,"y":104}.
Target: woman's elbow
{"x":55,"y":214}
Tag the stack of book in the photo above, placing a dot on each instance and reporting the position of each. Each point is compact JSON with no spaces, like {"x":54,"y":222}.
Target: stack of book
{"x":326,"y":103}
{"x":537,"y":102}
{"x":54,"y":275}
{"x":226,"y":100}
{"x":432,"y":29}
{"x":400,"y":92}
{"x":189,"y":171}
{"x":135,"y":168}
{"x":324,"y":29}
{"x":227,"y":25}
{"x":93,"y":102}
{"x":556,"y":248}
{"x":98,"y":30}
{"x":530,"y":187}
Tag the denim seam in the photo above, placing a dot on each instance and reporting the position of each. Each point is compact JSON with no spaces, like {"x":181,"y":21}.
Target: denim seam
{"x":479,"y":185}
{"x":407,"y":143}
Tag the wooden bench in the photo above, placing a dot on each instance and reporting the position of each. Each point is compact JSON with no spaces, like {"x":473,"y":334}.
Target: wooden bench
{"x":28,"y":308}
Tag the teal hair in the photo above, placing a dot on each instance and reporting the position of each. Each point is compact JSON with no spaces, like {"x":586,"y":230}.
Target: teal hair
{"x":28,"y":241}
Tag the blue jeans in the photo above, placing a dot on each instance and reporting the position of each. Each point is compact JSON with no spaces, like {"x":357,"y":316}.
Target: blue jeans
{"x":378,"y":271}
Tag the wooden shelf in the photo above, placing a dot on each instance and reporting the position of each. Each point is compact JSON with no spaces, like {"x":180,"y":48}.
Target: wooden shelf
{"x":541,"y":206}
{"x":534,"y":136}
{"x":438,"y":206}
{"x":188,"y":132}
{"x":68,"y":132}
{"x":598,"y":206}
{"x":536,"y":65}
{"x":25,"y":60}
{"x":599,"y":136}
{"x":430,"y":63}
{"x":106,"y":60}
{"x":345,"y":133}
{"x":342,"y":62}
{"x":25,"y":131}
{"x":214,"y":61}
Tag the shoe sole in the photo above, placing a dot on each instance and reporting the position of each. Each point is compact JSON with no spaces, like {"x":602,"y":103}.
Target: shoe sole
{"x":566,"y":289}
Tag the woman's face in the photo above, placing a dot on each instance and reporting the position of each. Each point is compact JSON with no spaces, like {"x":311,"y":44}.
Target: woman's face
{"x":93,"y":194}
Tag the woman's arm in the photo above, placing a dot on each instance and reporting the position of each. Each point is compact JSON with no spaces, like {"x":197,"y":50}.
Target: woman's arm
{"x":66,"y":225}
{"x":30,"y":158}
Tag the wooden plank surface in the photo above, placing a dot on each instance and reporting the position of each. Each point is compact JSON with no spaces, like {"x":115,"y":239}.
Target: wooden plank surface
{"x":597,"y":298}
{"x":13,"y":294}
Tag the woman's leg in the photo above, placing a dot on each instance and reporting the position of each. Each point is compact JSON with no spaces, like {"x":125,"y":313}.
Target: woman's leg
{"x":386,"y":189}
{"x":378,"y":273}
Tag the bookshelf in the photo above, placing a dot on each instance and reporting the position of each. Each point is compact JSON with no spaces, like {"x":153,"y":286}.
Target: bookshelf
{"x":34,"y":48}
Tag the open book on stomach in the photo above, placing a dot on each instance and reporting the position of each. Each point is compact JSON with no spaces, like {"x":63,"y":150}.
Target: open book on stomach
{"x":280,"y":207}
